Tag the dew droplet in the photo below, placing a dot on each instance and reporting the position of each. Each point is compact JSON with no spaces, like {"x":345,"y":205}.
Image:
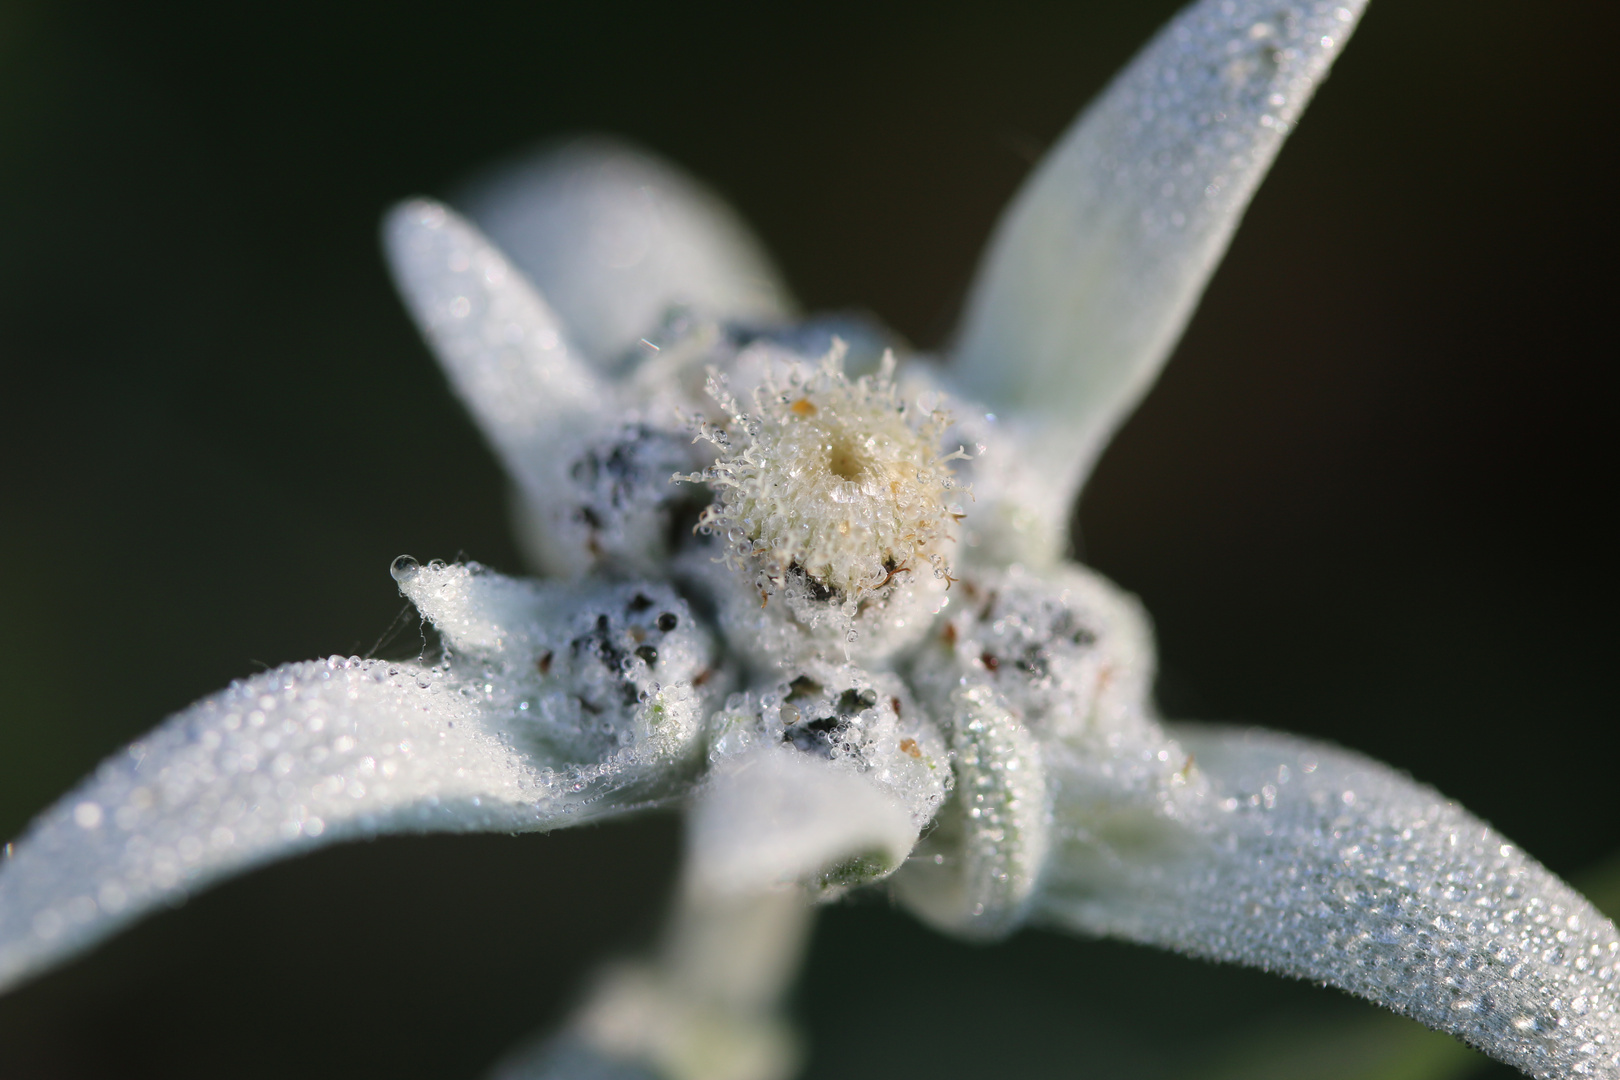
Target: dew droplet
{"x":404,"y":569}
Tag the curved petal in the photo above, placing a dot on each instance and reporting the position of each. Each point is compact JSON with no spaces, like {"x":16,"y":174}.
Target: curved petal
{"x":616,"y":237}
{"x":1041,"y":682}
{"x":1096,"y":267}
{"x":1313,"y":861}
{"x":776,"y":817}
{"x":507,"y":357}
{"x":976,"y":873}
{"x":275,"y":765}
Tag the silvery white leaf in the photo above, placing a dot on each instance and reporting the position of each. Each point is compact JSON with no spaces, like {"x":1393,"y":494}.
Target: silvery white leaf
{"x":507,"y":357}
{"x":275,"y":765}
{"x":1096,"y":267}
{"x":547,"y":717}
{"x":1316,"y":862}
{"x":616,"y":237}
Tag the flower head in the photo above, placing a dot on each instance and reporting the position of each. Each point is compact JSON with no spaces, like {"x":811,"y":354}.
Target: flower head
{"x":833,"y":495}
{"x":848,"y":646}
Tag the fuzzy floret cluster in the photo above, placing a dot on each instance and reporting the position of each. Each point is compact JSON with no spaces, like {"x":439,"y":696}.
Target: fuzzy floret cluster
{"x":830,"y":489}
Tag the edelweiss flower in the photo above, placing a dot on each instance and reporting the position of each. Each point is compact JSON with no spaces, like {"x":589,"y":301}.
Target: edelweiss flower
{"x":815,"y":592}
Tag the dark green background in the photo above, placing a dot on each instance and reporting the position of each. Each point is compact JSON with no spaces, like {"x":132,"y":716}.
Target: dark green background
{"x":1364,"y":502}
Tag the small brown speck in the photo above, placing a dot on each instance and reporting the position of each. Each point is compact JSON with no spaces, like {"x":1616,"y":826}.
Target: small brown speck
{"x":803,"y":407}
{"x":909,"y":747}
{"x":989,"y":661}
{"x":544,"y":663}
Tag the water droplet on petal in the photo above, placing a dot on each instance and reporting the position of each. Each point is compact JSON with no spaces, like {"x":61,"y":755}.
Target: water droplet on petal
{"x":404,"y":568}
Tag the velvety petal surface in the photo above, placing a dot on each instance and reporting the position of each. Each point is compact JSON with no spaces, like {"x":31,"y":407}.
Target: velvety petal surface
{"x":275,"y":765}
{"x":1096,"y":267}
{"x":1310,"y":860}
{"x":778,"y":817}
{"x":616,"y":238}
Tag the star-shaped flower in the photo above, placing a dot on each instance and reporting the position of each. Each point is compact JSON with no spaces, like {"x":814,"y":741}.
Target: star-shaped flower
{"x":816,"y":592}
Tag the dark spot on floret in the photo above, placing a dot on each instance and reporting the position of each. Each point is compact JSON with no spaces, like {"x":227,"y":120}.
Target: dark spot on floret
{"x":594,"y":710}
{"x":668,"y":621}
{"x":989,"y":660}
{"x":818,"y":591}
{"x":894,"y":703}
{"x":1084,"y":638}
{"x":614,"y":473}
{"x":803,"y":686}
{"x":648,"y":654}
{"x":629,"y":693}
{"x":590,"y":517}
{"x":639,"y":603}
{"x":817,"y":735}
{"x":1034,"y":662}
{"x":544,"y":663}
{"x":600,"y":642}
{"x":853,"y":701}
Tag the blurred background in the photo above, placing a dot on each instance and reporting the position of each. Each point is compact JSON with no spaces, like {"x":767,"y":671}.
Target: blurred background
{"x":1363,"y":502}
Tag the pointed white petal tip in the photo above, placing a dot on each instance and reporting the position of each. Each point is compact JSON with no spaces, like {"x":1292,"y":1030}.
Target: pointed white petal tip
{"x":1098,"y":264}
{"x":1316,"y":862}
{"x":616,"y":238}
{"x":505,"y":352}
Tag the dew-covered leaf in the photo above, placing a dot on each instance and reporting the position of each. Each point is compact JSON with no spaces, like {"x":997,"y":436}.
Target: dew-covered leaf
{"x":616,"y":238}
{"x":557,"y":703}
{"x":1096,"y":267}
{"x":277,"y":764}
{"x":1313,"y":861}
